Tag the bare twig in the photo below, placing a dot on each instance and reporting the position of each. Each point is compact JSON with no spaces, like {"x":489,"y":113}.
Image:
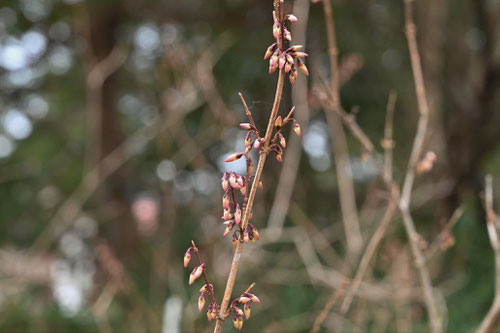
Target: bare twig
{"x":328,"y":307}
{"x":346,"y":189}
{"x":492,"y":319}
{"x":404,"y":203}
{"x":370,"y":250}
{"x":388,"y":142}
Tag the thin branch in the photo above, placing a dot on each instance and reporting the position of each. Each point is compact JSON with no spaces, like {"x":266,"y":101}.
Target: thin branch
{"x":339,"y":143}
{"x":388,"y":142}
{"x":404,"y":203}
{"x":492,"y":319}
{"x":328,"y":307}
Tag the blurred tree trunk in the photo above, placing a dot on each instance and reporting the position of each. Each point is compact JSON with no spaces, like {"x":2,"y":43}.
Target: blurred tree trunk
{"x":473,"y":76}
{"x":98,"y":24}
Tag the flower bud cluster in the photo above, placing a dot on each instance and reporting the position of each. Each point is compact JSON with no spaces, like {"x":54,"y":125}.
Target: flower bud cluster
{"x":244,"y":300}
{"x":289,"y":59}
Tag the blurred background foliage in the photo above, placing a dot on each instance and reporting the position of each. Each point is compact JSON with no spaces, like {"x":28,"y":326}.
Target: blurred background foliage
{"x":115,"y":119}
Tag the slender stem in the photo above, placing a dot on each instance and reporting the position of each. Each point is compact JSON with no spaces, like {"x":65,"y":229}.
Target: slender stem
{"x":248,"y":209}
{"x":404,"y":203}
{"x":205,"y":277}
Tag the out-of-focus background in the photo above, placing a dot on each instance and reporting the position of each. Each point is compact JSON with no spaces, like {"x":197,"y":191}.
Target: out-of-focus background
{"x":115,"y":119}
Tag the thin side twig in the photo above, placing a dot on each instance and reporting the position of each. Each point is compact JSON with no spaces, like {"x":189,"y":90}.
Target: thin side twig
{"x":328,"y":307}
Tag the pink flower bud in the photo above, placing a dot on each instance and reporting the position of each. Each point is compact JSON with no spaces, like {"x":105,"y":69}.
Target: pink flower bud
{"x":228,"y":230}
{"x":299,"y":54}
{"x":295,"y":48}
{"x":237,"y":214}
{"x":232,"y":180}
{"x":260,"y":185}
{"x":288,"y":66}
{"x":187,"y":257}
{"x":246,"y":126}
{"x":291,"y":18}
{"x":196,"y":273}
{"x":246,"y":309}
{"x":243,"y":190}
{"x":246,"y":237}
{"x":282,"y":61}
{"x":209,"y":312}
{"x":270,"y":50}
{"x":201,"y":302}
{"x":253,"y":231}
{"x":244,"y":299}
{"x":238,"y":322}
{"x":288,"y":35}
{"x":276,"y":30}
{"x":226,"y":201}
{"x":279,"y":122}
{"x":228,"y":223}
{"x":233,"y":157}
{"x":256,"y":144}
{"x":282,"y":140}
{"x":296,"y":127}
{"x":240,"y":181}
{"x":279,"y":158}
{"x":227,"y":215}
{"x":254,"y":298}
{"x":273,"y":62}
{"x":224,"y":181}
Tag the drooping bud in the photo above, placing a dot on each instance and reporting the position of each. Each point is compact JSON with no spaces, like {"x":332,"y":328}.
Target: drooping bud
{"x":214,"y":310}
{"x":257,"y":143}
{"x":209,"y":312}
{"x":288,"y":66}
{"x":253,"y":231}
{"x":228,"y":222}
{"x":291,"y":18}
{"x":293,"y":75}
{"x":246,"y":309}
{"x":224,"y":181}
{"x":187,"y":257}
{"x":282,"y":61}
{"x":226,"y":215}
{"x":302,"y":66}
{"x":196,"y":273}
{"x":288,"y":35}
{"x":279,"y":122}
{"x":233,"y":157}
{"x":201,"y":302}
{"x":240,"y":181}
{"x":250,"y":166}
{"x":276,"y":30}
{"x":260,"y":185}
{"x":237,"y":214}
{"x":296,"y":127}
{"x":279,"y":157}
{"x":246,"y":238}
{"x":232,"y":180}
{"x":270,"y":50}
{"x":273,"y":62}
{"x":235,"y":238}
{"x":238,"y":321}
{"x":282,"y":140}
{"x":226,"y":201}
{"x":228,"y":230}
{"x":204,"y":289}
